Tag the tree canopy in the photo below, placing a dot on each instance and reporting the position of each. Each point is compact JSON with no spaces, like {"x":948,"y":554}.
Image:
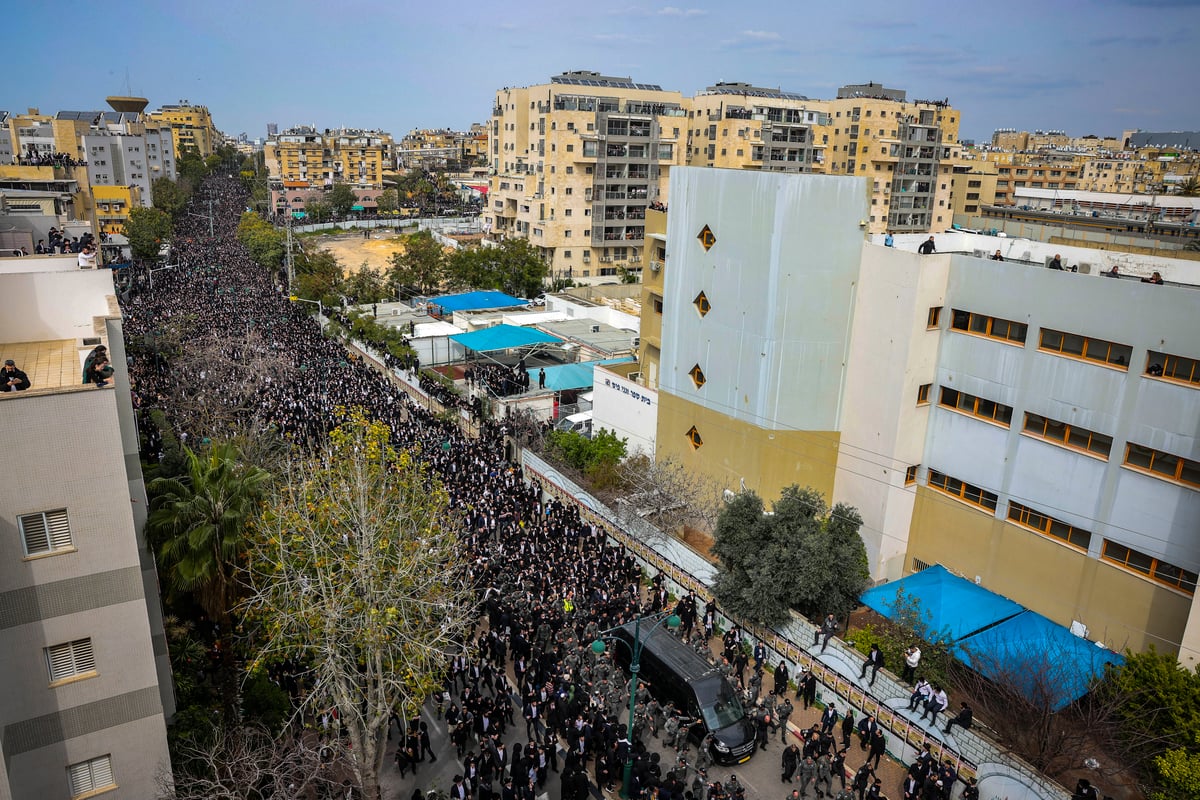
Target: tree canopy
{"x":514,"y":266}
{"x":170,"y":196}
{"x":803,"y":556}
{"x":421,"y":264}
{"x":147,"y":229}
{"x":355,"y":572}
{"x":265,"y":242}
{"x":341,"y":199}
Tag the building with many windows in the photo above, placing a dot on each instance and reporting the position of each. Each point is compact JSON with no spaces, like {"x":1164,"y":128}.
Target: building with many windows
{"x":85,"y":681}
{"x":191,"y":127}
{"x":1034,"y":430}
{"x":302,"y":162}
{"x":740,"y":126}
{"x":577,"y":162}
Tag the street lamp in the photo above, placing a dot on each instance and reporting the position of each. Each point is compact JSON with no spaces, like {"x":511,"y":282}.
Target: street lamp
{"x":635,"y":665}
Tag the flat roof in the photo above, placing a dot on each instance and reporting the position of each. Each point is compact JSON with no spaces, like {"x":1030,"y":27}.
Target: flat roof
{"x":596,"y":335}
{"x":53,"y":364}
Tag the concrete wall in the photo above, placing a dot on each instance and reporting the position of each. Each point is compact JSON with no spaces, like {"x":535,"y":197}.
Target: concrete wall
{"x":780,"y":278}
{"x":625,"y":408}
{"x":67,"y":263}
{"x":53,"y":305}
{"x":95,"y":591}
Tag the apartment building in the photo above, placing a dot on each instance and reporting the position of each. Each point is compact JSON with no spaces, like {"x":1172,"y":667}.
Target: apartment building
{"x":740,"y":126}
{"x":1033,"y":430}
{"x":86,"y":682}
{"x":577,"y":162}
{"x":191,"y":127}
{"x":302,"y":162}
{"x":436,"y":149}
{"x":904,"y":147}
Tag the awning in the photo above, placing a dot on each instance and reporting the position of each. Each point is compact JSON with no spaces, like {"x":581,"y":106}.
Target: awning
{"x":502,"y":337}
{"x":571,"y":376}
{"x":476,"y":301}
{"x":356,"y":208}
{"x":1039,"y":657}
{"x":952,"y":605}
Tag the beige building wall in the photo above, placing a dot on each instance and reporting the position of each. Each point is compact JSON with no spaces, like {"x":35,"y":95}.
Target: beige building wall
{"x":739,"y":126}
{"x":191,"y":127}
{"x":1055,"y":579}
{"x":570,"y":175}
{"x":653,"y":281}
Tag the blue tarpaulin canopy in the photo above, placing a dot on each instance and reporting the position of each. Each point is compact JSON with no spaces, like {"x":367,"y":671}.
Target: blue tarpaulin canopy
{"x":476,"y":301}
{"x":1038,"y":656}
{"x":502,"y":337}
{"x":571,"y":376}
{"x":951,"y":605}
{"x":998,"y":637}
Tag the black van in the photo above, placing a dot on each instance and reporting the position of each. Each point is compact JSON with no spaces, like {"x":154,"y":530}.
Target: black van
{"x":676,"y":673}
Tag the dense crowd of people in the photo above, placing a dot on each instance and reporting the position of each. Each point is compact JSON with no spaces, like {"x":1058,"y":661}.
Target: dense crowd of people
{"x":549,"y":582}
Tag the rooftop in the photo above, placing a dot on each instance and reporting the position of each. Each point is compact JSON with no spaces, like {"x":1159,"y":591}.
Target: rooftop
{"x":53,"y":364}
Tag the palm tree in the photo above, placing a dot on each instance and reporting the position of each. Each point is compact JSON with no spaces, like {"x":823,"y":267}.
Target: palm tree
{"x":1190,"y":187}
{"x":198,"y":522}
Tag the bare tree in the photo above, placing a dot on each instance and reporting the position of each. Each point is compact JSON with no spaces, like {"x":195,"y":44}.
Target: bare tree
{"x":249,"y":763}
{"x":219,"y":382}
{"x":668,"y":495}
{"x":355,"y":572}
{"x":1024,"y":692}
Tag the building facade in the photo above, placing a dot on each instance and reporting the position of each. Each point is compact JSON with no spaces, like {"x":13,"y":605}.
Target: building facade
{"x":86,"y":678}
{"x":577,"y":162}
{"x":191,"y":127}
{"x":739,"y":126}
{"x":1031,"y":429}
{"x":303,"y":162}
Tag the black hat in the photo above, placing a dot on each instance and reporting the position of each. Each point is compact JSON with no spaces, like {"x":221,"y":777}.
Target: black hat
{"x":10,"y":363}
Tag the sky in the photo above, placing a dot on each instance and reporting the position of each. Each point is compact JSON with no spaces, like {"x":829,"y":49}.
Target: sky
{"x":1083,"y":66}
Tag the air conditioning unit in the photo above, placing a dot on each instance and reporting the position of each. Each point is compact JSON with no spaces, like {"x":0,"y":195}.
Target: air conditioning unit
{"x":595,"y":329}
{"x":637,"y":342}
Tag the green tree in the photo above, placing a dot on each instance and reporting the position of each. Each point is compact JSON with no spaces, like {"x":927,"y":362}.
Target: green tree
{"x":319,"y":276}
{"x":596,"y":457}
{"x":1177,"y":774}
{"x":364,"y":286}
{"x":388,"y":201}
{"x":422,"y":263}
{"x":356,"y":572}
{"x":1190,"y":187}
{"x":198,"y":523}
{"x":801,"y":555}
{"x":264,"y":241}
{"x":341,"y":198}
{"x":170,"y":196}
{"x":190,"y":165}
{"x":147,"y":229}
{"x":513,"y":266}
{"x":1160,"y":699}
{"x":318,"y":209}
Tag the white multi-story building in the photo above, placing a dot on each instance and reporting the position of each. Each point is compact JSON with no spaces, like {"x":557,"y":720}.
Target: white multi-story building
{"x":85,"y":680}
{"x":1032,"y":429}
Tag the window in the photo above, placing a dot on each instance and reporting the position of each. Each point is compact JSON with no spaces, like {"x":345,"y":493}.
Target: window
{"x":923,"y":394}
{"x":935,"y":316}
{"x":70,"y":659}
{"x":702,"y":304}
{"x":1162,"y":465}
{"x":1150,"y":567}
{"x":1068,"y":435}
{"x":1046,"y":525}
{"x":658,"y":305}
{"x":910,"y":475}
{"x":697,"y":376}
{"x":962,"y":491}
{"x":1173,"y":368}
{"x":1099,"y":350}
{"x":693,"y":436}
{"x":992,"y":327}
{"x":90,"y":776}
{"x":976,"y":406}
{"x":45,"y":532}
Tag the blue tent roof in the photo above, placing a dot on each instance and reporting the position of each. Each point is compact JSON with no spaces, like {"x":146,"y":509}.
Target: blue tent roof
{"x":474,"y":301}
{"x":572,"y":376}
{"x":502,"y":337}
{"x":1044,"y":659}
{"x":952,"y":605}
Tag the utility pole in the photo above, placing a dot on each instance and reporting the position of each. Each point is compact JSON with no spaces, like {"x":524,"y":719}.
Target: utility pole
{"x":210,"y":217}
{"x":291,"y":271}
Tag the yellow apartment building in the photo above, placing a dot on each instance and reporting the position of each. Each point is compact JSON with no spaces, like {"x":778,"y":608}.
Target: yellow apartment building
{"x":904,"y":147}
{"x":191,"y":127}
{"x":113,"y":204}
{"x":739,"y":126}
{"x":576,"y":163}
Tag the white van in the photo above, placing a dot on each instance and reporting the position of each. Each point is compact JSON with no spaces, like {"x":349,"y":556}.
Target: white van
{"x":580,"y":423}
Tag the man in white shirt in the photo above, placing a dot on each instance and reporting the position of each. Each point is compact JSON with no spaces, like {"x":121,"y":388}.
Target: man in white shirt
{"x":87,"y":258}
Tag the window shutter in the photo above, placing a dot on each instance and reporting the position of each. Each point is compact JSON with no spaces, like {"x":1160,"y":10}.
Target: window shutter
{"x":61,"y":663}
{"x":85,"y":659}
{"x":59,"y":529}
{"x":88,"y":776}
{"x":80,"y":776}
{"x":102,"y":772}
{"x":33,"y":530}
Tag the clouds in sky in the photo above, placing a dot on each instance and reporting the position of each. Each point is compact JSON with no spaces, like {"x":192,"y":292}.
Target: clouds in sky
{"x":1097,"y":67}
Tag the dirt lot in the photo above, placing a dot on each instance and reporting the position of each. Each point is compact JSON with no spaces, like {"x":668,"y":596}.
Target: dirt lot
{"x":351,"y":249}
